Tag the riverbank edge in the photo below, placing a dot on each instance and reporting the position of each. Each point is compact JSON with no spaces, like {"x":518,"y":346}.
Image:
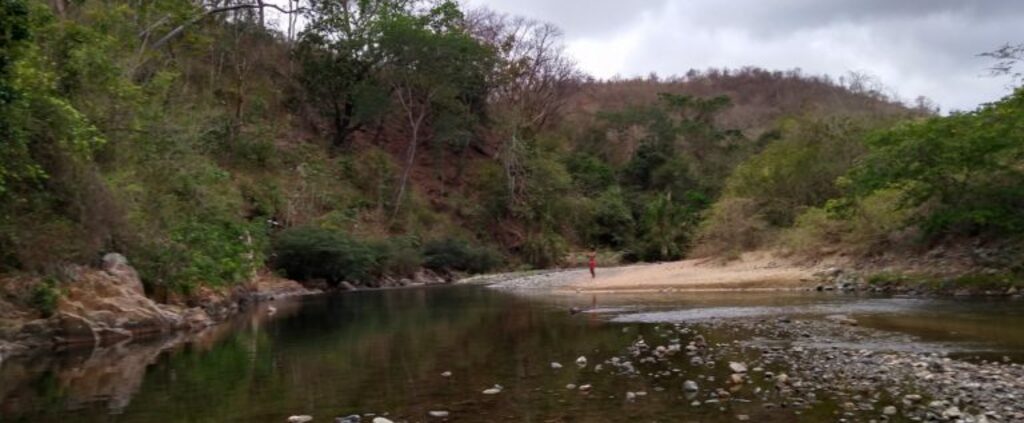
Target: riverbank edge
{"x":920,"y":276}
{"x":101,"y":307}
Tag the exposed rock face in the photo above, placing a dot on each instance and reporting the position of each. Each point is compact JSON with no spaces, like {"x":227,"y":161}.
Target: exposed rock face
{"x":99,"y":307}
{"x":110,"y":305}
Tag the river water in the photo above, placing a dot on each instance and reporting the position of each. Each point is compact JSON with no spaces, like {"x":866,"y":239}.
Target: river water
{"x":384,"y":352}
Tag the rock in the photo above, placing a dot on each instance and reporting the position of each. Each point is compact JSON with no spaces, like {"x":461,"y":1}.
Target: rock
{"x":742,"y":417}
{"x":630,"y":396}
{"x":196,"y":318}
{"x":446,"y":374}
{"x":952,"y":413}
{"x":581,"y":361}
{"x":570,"y":386}
{"x":271,"y":310}
{"x":440,"y":414}
{"x":690,"y":386}
{"x":114,"y":262}
{"x":889,"y":411}
{"x":842,"y":319}
{"x":300,"y":419}
{"x":354,"y":418}
{"x":555,"y":365}
{"x":1012,"y":291}
{"x":381,"y":420}
{"x":737,"y":378}
{"x":585,"y":387}
{"x":493,"y":391}
{"x":737,"y":367}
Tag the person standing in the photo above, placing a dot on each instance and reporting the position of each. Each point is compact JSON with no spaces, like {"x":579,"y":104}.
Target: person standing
{"x":593,"y":264}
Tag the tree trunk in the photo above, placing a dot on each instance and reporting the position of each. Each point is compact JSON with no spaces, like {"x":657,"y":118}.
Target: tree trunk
{"x":410,"y":159}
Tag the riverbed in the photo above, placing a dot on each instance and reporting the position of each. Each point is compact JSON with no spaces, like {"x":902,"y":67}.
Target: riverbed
{"x":413,"y":354}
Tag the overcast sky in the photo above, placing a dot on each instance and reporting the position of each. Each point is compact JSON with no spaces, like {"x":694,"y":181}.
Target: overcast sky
{"x":915,"y":47}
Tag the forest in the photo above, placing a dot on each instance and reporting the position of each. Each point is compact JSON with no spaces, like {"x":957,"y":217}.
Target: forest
{"x":356,"y":139}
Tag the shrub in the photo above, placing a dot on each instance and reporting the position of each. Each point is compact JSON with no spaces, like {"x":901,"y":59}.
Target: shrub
{"x":44,"y":297}
{"x":611,"y":223}
{"x":733,"y":224}
{"x":307,"y":253}
{"x":859,"y":227}
{"x":397,"y":257}
{"x":545,"y":250}
{"x":448,"y":254}
{"x":967,"y":167}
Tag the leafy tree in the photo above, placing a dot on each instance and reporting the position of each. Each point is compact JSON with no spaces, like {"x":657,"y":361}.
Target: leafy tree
{"x":968,"y":166}
{"x":341,"y":55}
{"x":434,"y":67}
{"x":14,"y":32}
{"x":665,"y":230}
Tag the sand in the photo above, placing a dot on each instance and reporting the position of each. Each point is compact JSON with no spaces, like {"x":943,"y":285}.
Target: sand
{"x":752,"y":271}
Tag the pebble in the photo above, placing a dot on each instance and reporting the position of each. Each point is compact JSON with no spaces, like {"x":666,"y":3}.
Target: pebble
{"x":300,"y":419}
{"x":493,"y":391}
{"x":690,"y":386}
{"x":446,"y":374}
{"x":556,"y":365}
{"x":581,"y":361}
{"x":439,"y":414}
{"x":381,"y":420}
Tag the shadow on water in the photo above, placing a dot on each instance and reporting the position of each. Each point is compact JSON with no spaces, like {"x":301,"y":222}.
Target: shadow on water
{"x":384,"y":352}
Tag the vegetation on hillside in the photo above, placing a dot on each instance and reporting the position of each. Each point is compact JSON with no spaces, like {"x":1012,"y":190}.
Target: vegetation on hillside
{"x":383,"y":136}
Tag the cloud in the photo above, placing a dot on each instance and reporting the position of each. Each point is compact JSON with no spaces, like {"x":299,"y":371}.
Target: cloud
{"x":916,"y":47}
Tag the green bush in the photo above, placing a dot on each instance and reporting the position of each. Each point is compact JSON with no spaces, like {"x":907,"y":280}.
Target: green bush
{"x":967,"y":168}
{"x":397,"y":257}
{"x":212,"y":253}
{"x":44,"y":297}
{"x":545,"y":250}
{"x":860,"y":227}
{"x":734,"y":224}
{"x":611,"y":223}
{"x":307,"y":253}
{"x":448,"y":254}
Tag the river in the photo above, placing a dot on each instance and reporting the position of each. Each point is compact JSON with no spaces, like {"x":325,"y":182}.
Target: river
{"x":386,"y":353}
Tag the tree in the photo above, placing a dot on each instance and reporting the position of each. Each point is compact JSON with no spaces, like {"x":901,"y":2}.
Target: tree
{"x":532,"y":83}
{"x":1008,"y":58}
{"x":433,"y":67}
{"x":341,"y":55}
{"x":14,"y":32}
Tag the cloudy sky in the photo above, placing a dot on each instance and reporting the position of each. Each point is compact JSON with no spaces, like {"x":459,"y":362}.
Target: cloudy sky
{"x":915,"y":47}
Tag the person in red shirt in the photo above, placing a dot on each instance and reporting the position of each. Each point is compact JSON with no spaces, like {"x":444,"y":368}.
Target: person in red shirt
{"x":593,"y":264}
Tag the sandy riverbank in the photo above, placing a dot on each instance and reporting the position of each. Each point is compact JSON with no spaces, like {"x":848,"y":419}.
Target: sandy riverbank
{"x":752,"y":271}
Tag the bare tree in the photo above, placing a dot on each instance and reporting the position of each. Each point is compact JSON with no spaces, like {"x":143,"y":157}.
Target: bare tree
{"x":531,"y":87}
{"x":1008,"y":58}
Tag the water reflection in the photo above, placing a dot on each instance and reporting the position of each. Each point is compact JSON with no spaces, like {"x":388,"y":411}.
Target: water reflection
{"x":384,"y":352}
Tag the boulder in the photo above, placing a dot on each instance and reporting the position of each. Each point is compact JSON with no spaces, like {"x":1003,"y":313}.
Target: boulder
{"x":109,"y":305}
{"x":690,"y":386}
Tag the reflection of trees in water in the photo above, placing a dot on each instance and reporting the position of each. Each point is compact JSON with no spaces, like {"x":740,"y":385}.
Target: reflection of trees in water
{"x":105,"y":378}
{"x":361,"y":352}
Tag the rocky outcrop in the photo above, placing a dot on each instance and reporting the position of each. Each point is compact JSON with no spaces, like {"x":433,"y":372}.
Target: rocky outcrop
{"x":111,"y":305}
{"x":100,"y":307}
